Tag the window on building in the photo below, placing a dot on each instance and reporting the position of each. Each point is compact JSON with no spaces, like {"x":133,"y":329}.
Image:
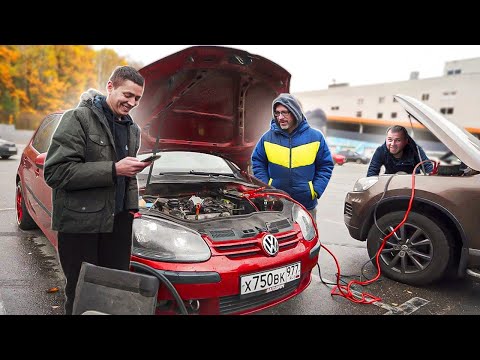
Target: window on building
{"x":360,"y":101}
{"x":393,"y":115}
{"x":381,"y":99}
{"x":454,"y":72}
{"x":449,"y":94}
{"x":448,"y":111}
{"x":359,"y":114}
{"x":335,"y":108}
{"x":379,"y":115}
{"x":425,"y":97}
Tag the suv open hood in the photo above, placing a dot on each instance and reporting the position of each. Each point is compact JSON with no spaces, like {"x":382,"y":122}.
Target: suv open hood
{"x":209,"y":99}
{"x":463,"y":144}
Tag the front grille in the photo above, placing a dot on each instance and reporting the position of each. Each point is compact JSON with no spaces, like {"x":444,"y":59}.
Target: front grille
{"x":251,"y":247}
{"x":234,"y":304}
{"x":348,"y":210}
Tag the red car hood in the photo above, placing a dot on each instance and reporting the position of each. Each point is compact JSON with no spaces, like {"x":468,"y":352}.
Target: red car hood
{"x":209,"y":99}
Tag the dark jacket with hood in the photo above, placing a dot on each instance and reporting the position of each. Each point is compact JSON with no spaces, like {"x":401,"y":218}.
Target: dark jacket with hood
{"x":299,"y":163}
{"x":80,"y":168}
{"x":406,"y":163}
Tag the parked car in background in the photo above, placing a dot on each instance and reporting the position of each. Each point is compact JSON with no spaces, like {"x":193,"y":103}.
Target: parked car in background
{"x":7,"y":149}
{"x":353,"y":156}
{"x":227,"y":242}
{"x":338,"y":159}
{"x":440,"y":234}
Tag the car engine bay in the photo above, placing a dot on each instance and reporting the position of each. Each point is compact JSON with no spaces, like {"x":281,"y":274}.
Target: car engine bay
{"x":209,"y":201}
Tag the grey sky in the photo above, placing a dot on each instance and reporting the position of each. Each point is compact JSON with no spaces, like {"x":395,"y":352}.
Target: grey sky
{"x":314,"y":67}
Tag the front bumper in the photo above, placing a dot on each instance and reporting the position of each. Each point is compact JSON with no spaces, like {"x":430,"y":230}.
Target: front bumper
{"x":218,"y":292}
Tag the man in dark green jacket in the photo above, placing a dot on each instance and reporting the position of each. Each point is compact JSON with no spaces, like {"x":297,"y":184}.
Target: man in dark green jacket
{"x":91,"y":166}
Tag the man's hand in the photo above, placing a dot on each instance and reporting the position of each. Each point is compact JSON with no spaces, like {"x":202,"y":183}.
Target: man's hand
{"x":130,"y":166}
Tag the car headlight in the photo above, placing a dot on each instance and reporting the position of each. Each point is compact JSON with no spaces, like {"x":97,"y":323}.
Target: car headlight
{"x":302,"y":218}
{"x":365,"y":183}
{"x":162,"y":240}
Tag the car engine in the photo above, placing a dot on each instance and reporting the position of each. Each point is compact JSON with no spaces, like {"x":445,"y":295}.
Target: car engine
{"x":208,"y":204}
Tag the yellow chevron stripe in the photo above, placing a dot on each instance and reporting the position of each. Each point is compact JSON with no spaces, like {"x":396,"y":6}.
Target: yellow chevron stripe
{"x":305,"y":154}
{"x":302,"y":155}
{"x":270,"y":181}
{"x":314,"y":194}
{"x":277,"y":154}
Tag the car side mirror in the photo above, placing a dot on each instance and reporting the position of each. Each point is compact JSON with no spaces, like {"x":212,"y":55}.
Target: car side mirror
{"x":40,"y":160}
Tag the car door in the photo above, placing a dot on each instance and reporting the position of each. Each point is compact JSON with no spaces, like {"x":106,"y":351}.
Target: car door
{"x":38,"y":191}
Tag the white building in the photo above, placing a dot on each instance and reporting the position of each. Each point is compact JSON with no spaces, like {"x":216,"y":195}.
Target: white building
{"x":367,"y":110}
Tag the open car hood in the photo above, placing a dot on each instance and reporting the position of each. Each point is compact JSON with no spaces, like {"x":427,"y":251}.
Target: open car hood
{"x":463,"y":144}
{"x":209,"y":99}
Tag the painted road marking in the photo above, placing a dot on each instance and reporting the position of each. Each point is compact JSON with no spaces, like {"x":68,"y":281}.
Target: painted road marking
{"x":7,"y":209}
{"x":407,"y":308}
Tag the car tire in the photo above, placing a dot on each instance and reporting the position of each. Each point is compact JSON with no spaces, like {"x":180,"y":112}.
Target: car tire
{"x":358,"y":161}
{"x":420,"y":261}
{"x":5,"y":157}
{"x":24,"y":220}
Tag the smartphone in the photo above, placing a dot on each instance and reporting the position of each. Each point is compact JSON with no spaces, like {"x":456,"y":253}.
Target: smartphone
{"x":151,"y":158}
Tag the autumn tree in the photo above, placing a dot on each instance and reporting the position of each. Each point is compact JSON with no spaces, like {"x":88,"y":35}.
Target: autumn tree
{"x":10,"y":95}
{"x":38,"y":79}
{"x":106,"y":60}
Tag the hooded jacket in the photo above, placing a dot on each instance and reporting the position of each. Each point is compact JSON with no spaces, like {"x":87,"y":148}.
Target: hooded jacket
{"x":80,"y":169}
{"x":406,"y":163}
{"x":299,"y":163}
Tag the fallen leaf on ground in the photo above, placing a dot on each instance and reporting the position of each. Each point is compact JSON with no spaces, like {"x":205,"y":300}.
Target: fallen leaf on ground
{"x":52,"y":290}
{"x":55,"y":307}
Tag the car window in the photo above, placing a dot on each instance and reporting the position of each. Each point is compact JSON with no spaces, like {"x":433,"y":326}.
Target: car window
{"x":185,"y":161}
{"x":43,"y":137}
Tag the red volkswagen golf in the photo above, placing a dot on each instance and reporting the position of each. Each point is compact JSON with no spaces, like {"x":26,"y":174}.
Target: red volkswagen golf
{"x":227,"y":242}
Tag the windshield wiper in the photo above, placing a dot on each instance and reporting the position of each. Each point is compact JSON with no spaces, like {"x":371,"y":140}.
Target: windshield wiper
{"x":210,"y":173}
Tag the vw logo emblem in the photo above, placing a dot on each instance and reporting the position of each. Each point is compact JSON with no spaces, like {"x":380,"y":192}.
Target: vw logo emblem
{"x":270,"y":244}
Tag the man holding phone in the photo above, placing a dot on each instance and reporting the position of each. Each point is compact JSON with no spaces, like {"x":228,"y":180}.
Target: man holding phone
{"x":151,"y":158}
{"x":91,"y":166}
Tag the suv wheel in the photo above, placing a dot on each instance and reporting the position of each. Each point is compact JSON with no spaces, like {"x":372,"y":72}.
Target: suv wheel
{"x":417,"y":254}
{"x":24,"y":220}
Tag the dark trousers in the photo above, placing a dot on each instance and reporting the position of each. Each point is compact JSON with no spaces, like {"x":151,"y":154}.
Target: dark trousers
{"x":110,"y":250}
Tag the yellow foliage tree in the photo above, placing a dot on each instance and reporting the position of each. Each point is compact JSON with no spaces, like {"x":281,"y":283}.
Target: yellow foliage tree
{"x":38,"y":79}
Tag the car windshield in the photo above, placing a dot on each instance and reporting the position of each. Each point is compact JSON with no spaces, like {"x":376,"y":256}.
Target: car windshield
{"x":188,"y":162}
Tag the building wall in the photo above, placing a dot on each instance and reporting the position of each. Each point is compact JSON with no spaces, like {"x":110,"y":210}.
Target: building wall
{"x":465,"y":66}
{"x":457,"y":93}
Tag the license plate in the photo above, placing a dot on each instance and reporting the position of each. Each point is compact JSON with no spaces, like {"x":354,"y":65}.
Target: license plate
{"x":12,"y":149}
{"x":269,"y":281}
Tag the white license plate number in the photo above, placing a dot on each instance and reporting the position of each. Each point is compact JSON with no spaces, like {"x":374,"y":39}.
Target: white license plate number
{"x":269,"y":281}
{"x":12,"y":149}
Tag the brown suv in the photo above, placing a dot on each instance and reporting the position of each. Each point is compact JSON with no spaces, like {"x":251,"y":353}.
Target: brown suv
{"x":441,"y":230}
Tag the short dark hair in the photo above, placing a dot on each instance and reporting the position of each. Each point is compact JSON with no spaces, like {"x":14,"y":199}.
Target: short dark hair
{"x":397,"y":129}
{"x":122,"y":73}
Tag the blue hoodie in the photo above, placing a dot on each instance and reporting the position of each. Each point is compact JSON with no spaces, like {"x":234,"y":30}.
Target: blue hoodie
{"x":299,"y":163}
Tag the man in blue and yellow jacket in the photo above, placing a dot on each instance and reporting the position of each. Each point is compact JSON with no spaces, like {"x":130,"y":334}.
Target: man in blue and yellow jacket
{"x":292,"y":156}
